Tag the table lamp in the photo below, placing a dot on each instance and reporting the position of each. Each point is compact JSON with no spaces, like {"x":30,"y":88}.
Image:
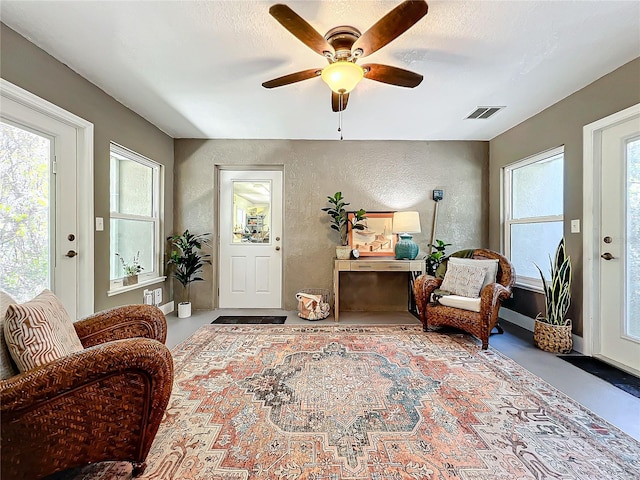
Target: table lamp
{"x":404,"y":224}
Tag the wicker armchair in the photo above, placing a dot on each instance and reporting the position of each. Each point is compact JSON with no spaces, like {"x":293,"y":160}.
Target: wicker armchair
{"x":478,"y":324}
{"x":102,"y":403}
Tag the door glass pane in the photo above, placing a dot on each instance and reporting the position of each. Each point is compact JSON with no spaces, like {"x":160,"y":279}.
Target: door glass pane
{"x":537,"y":189}
{"x":131,"y":239}
{"x":633,"y":240}
{"x":24,"y":212}
{"x":251,"y":212}
{"x":534,"y":242}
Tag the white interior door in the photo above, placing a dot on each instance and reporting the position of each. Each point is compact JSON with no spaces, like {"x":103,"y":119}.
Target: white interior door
{"x":38,"y":230}
{"x":619,"y":326}
{"x":250,"y":239}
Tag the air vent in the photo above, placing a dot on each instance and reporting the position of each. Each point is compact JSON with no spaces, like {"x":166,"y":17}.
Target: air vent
{"x":482,"y":113}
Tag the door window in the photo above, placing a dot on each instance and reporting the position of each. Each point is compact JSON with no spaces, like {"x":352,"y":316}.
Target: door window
{"x":25,"y":205}
{"x":251,"y":212}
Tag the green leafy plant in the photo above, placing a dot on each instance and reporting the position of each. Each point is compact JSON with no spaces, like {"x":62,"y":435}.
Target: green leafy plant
{"x":435,"y":258}
{"x":187,"y":258}
{"x":557,"y":290}
{"x":133,"y":268}
{"x":340,"y":218}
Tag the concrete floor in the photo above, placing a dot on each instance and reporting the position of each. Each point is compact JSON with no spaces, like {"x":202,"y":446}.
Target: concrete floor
{"x":612,"y":404}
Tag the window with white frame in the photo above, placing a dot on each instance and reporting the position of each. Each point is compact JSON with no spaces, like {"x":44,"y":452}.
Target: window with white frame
{"x":135,"y":199}
{"x":533,"y":209}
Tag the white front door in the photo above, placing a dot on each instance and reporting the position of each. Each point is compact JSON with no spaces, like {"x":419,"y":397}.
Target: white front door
{"x":250,"y":239}
{"x":619,"y":326}
{"x":38,"y":230}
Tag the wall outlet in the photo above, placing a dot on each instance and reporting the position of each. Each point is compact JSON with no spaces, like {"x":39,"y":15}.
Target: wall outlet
{"x":99,"y":224}
{"x":148,"y":297}
{"x":575,"y":226}
{"x":157,"y":296}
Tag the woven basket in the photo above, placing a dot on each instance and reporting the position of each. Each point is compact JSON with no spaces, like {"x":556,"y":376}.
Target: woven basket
{"x":553,"y":338}
{"x":318,"y":311}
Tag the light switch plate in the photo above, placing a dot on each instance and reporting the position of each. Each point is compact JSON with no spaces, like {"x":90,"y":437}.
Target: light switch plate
{"x":575,"y":226}
{"x":99,"y":224}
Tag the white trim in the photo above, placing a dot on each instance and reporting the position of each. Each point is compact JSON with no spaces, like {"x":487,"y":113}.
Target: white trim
{"x":84,"y":172}
{"x":117,"y":288}
{"x":528,"y":323}
{"x":591,"y":138}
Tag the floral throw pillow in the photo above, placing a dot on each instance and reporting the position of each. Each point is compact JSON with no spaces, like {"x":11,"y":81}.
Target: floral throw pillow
{"x":464,"y":280}
{"x":39,"y":331}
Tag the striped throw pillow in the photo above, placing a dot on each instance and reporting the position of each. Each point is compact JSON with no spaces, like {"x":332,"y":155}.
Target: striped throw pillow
{"x":39,"y":331}
{"x":7,"y":368}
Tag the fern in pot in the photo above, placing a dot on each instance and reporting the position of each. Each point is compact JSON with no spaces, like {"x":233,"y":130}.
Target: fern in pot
{"x":187,"y":260}
{"x":552,"y":332}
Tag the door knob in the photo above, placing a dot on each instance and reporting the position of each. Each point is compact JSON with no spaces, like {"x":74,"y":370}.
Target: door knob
{"x":277,"y":248}
{"x":607,"y":256}
{"x":70,"y":254}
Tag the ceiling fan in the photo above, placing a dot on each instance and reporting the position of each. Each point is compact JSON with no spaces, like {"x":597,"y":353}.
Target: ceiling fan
{"x":342,"y":46}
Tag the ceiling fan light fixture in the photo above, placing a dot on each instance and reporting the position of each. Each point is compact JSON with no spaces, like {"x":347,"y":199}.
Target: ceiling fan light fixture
{"x":342,"y":76}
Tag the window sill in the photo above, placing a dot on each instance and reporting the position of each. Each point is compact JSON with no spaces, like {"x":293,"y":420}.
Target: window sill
{"x":117,"y":288}
{"x":529,"y":287}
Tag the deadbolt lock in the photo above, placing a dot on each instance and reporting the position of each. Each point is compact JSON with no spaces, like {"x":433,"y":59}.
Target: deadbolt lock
{"x":607,"y":239}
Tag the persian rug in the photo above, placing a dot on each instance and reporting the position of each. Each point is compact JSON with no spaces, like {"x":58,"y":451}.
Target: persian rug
{"x":385,"y":403}
{"x":616,"y":377}
{"x":250,"y":319}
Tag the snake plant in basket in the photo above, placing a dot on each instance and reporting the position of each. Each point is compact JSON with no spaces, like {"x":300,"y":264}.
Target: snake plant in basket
{"x":552,"y":332}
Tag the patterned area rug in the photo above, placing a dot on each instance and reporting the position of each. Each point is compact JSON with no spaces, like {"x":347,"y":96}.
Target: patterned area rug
{"x":344,"y":402}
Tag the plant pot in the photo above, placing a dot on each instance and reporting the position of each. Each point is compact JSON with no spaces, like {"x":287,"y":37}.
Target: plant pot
{"x":130,"y":280}
{"x":343,"y":252}
{"x":553,"y":338}
{"x":184,"y":309}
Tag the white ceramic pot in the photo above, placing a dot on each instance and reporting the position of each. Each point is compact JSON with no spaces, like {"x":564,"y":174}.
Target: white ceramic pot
{"x":343,"y":252}
{"x":184,"y":309}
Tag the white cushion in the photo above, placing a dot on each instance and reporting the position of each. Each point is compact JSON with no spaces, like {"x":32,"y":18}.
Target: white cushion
{"x":464,"y":280}
{"x":463,"y":303}
{"x":39,"y":331}
{"x":490,"y":263}
{"x":8,"y":369}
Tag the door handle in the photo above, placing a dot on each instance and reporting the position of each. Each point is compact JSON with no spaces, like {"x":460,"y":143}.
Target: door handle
{"x":277,"y":248}
{"x":607,"y":256}
{"x":70,"y":254}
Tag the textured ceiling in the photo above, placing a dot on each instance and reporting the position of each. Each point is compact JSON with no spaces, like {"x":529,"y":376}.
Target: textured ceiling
{"x":195,"y":69}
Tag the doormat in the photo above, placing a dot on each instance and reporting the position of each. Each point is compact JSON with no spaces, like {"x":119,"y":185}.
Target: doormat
{"x":616,"y":377}
{"x":252,"y":319}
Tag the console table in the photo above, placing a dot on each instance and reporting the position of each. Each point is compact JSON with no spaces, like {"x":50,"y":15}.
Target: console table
{"x":413,"y":267}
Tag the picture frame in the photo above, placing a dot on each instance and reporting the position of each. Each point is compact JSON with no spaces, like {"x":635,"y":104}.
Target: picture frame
{"x":377,"y":239}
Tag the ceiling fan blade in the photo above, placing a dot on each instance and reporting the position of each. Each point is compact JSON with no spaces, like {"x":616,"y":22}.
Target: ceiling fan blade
{"x":293,"y":78}
{"x":335,"y":101}
{"x":301,"y":29}
{"x":392,"y":75}
{"x":391,"y":26}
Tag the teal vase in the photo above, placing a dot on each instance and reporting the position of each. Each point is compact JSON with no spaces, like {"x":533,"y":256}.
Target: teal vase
{"x":406,"y":248}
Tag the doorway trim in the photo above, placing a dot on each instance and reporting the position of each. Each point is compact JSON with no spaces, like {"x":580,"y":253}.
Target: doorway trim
{"x":84,"y":180}
{"x":591,"y":190}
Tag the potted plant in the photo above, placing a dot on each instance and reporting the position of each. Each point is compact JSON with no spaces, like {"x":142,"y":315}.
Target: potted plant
{"x":552,"y":332}
{"x":131,"y":270}
{"x":340,"y":222}
{"x":188,"y":259}
{"x":435,"y":258}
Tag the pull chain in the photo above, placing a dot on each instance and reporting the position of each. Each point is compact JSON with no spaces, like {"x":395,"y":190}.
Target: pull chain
{"x":340,"y":116}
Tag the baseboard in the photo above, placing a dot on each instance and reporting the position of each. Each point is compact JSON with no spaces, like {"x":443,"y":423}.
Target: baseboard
{"x":528,"y":323}
{"x":168,"y":307}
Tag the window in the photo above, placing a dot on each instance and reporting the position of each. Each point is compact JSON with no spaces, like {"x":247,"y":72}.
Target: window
{"x":533,"y":213}
{"x":135,"y":215}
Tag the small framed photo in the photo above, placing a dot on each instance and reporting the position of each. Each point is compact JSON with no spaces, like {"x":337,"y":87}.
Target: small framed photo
{"x":377,"y":239}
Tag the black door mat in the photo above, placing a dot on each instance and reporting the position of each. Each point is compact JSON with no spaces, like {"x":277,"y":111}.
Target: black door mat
{"x":253,"y":319}
{"x":616,"y":377}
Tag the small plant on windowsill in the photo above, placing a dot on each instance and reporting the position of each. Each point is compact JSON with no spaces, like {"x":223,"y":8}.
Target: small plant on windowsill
{"x":131,"y":270}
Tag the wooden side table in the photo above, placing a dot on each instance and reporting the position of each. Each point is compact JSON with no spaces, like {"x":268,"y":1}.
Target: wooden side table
{"x":413,"y":267}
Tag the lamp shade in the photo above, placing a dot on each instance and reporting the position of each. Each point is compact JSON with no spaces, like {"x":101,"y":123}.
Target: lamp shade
{"x":406,"y":222}
{"x":342,"y":76}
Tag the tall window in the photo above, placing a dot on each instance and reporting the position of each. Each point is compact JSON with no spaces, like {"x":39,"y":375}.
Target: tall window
{"x":135,"y":214}
{"x":533,"y":213}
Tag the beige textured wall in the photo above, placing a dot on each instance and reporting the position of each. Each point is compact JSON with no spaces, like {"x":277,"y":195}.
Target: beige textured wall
{"x":29,"y":67}
{"x":561,"y":124}
{"x":374,"y":175}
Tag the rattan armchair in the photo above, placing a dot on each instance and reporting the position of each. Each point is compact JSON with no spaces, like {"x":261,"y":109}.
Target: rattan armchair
{"x":478,"y":324}
{"x":100,"y":404}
